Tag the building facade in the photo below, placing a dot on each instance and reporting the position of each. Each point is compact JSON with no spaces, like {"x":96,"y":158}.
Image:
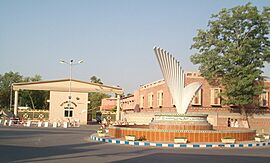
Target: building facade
{"x":68,"y":101}
{"x":63,"y":110}
{"x":108,"y":104}
{"x":155,"y":97}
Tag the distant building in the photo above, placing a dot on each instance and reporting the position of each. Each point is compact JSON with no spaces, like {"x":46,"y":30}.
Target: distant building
{"x":128,"y":103}
{"x":108,"y":104}
{"x":68,"y":98}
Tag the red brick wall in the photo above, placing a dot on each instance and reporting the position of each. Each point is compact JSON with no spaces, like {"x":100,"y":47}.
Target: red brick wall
{"x":206,"y":101}
{"x":108,"y":104}
{"x":155,"y":135}
{"x":167,"y":99}
{"x":128,"y":103}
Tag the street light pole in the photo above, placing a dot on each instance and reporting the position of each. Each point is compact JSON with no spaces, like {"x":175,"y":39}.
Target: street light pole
{"x":10,"y":97}
{"x":70,"y":77}
{"x":70,"y":63}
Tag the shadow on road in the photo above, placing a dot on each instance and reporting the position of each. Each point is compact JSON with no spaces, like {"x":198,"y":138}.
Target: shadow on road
{"x":72,"y":145}
{"x":24,"y":153}
{"x":194,"y":158}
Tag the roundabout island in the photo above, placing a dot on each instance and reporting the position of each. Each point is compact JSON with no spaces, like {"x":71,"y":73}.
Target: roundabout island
{"x":179,"y":129}
{"x":168,"y":127}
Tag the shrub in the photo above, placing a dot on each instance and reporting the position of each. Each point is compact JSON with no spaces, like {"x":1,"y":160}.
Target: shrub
{"x":131,"y":135}
{"x":180,"y":138}
{"x":142,"y":138}
{"x":259,"y":136}
{"x":228,"y":137}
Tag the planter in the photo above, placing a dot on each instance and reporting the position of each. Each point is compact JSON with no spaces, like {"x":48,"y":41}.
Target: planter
{"x":180,"y":140}
{"x":266,"y":137}
{"x":130,"y":138}
{"x":228,"y":141}
{"x":259,"y":139}
{"x":101,"y":134}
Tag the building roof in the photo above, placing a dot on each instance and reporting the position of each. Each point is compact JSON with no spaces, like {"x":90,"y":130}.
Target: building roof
{"x":63,"y":85}
{"x":127,"y":97}
{"x":153,"y":84}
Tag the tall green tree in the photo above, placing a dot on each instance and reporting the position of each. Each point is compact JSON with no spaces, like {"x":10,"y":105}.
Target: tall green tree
{"x":95,"y":79}
{"x":34,"y":99}
{"x":6,"y":82}
{"x":233,"y":51}
{"x":95,"y":97}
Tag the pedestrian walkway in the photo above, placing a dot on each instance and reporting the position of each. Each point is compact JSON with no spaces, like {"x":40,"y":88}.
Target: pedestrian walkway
{"x":172,"y":145}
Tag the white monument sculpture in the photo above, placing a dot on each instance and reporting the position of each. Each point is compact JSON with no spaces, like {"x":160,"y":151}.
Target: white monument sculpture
{"x":175,"y":79}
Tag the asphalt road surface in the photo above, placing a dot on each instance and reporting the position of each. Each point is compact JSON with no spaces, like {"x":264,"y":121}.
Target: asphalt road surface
{"x":73,"y":145}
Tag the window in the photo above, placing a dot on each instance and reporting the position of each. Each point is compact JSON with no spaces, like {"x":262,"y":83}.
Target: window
{"x":141,"y":101}
{"x":150,"y":100}
{"x":215,"y":97}
{"x":68,"y":112}
{"x":197,"y":99}
{"x":160,"y":98}
{"x":264,"y":99}
{"x":189,"y":74}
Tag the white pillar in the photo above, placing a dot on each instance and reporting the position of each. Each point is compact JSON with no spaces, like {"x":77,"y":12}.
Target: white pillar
{"x":118,"y":108}
{"x":16,"y":103}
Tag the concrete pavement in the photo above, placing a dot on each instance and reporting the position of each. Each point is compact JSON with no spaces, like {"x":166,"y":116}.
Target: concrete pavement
{"x":74,"y":145}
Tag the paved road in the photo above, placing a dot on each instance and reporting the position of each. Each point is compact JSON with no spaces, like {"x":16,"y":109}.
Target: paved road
{"x":73,"y":145}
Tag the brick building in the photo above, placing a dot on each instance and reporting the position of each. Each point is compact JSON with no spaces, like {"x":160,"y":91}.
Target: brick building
{"x":108,"y":104}
{"x":155,"y":97}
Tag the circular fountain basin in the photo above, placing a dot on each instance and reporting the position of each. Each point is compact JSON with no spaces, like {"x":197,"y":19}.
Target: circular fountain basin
{"x":192,"y":135}
{"x":195,"y":127}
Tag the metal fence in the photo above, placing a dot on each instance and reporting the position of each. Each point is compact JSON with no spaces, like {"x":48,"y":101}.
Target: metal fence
{"x":108,"y":115}
{"x":33,"y":114}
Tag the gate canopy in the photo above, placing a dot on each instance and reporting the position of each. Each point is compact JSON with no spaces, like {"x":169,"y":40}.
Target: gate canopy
{"x":64,"y":84}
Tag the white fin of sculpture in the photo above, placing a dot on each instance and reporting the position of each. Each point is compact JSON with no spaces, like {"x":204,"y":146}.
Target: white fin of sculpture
{"x":175,"y":79}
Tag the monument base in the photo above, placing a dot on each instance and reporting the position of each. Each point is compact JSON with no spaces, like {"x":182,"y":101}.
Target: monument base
{"x":193,"y":127}
{"x":170,"y":121}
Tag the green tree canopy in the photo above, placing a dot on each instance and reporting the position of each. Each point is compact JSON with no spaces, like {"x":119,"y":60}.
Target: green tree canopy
{"x":233,"y":51}
{"x":34,"y":99}
{"x":96,"y":97}
{"x":6,"y":82}
{"x":95,"y":79}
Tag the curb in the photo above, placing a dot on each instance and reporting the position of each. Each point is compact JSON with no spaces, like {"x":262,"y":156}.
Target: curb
{"x":171,"y":145}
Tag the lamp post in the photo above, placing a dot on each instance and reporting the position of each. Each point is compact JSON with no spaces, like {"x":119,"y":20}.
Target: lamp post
{"x":10,"y":97}
{"x":70,"y":63}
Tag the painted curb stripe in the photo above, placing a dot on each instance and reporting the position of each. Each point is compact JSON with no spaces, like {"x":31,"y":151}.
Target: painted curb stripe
{"x":138,"y":143}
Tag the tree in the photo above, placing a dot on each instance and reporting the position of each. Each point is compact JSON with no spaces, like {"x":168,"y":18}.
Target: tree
{"x":95,"y":97}
{"x":233,"y":51}
{"x":6,"y":82}
{"x":94,"y":79}
{"x":36,"y":99}
{"x":129,"y":94}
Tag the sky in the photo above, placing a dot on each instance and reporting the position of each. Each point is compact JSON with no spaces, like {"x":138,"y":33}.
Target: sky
{"x":115,"y":38}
